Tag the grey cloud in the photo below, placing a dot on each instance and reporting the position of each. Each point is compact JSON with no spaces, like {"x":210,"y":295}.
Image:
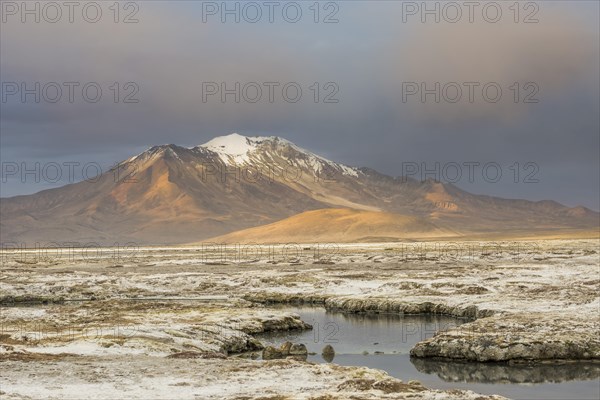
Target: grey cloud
{"x":368,"y":54}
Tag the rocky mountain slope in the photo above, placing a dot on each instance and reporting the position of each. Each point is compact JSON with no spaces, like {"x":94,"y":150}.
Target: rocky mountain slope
{"x":171,"y":194}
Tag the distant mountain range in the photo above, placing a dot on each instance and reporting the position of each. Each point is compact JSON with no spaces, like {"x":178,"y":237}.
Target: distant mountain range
{"x":175,"y":195}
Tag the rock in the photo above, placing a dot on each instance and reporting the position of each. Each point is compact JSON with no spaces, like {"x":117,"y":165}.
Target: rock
{"x":287,"y":349}
{"x":298,"y":350}
{"x":271,"y":353}
{"x":328,"y":353}
{"x":391,"y":305}
{"x":515,"y":337}
{"x":328,"y":350}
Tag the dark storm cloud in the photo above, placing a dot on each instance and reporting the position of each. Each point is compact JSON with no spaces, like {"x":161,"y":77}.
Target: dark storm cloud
{"x":369,"y":54}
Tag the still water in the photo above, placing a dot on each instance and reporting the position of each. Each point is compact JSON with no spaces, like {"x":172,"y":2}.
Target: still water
{"x":384,"y":342}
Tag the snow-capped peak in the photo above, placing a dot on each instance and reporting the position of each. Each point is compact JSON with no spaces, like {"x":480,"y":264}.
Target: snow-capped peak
{"x":237,"y":149}
{"x":233,"y":147}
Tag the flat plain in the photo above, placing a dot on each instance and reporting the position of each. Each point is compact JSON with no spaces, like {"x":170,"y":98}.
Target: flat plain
{"x":170,"y":322}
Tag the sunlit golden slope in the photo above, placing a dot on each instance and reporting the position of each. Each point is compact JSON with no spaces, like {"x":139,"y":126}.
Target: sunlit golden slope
{"x":339,"y":225}
{"x":176,"y":195}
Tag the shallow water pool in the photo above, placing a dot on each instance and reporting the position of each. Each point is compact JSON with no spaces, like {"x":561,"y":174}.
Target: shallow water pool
{"x":384,"y":341}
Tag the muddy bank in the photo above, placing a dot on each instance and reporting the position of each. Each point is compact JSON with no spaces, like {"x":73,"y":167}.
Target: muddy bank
{"x":286,"y":298}
{"x":397,"y":306}
{"x":140,"y":377}
{"x":164,"y":350}
{"x":152,"y":328}
{"x":492,"y":336}
{"x":384,"y":305}
{"x":525,"y":336}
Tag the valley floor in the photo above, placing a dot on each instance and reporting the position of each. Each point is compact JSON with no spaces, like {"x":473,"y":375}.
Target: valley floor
{"x":161,"y":322}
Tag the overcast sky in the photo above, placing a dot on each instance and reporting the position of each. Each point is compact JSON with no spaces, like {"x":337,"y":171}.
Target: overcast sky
{"x":370,"y":68}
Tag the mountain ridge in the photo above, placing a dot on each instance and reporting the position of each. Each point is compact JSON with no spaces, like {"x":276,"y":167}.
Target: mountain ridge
{"x":171,"y":194}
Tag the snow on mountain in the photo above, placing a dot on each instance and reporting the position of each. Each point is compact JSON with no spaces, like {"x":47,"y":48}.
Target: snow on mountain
{"x":237,"y":149}
{"x":168,"y":197}
{"x":233,"y":148}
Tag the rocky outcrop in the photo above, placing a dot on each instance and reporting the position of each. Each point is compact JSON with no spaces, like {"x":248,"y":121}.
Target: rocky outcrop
{"x":517,"y":337}
{"x":396,"y":306}
{"x":178,"y":328}
{"x":287,"y":349}
{"x":285,"y":298}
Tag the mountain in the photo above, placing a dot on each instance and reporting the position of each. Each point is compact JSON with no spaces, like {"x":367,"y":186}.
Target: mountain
{"x":339,"y":225}
{"x":171,"y":194}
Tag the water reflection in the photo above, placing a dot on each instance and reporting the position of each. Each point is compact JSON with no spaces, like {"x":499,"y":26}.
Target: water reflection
{"x":360,"y":333}
{"x":384,"y":341}
{"x":504,"y":373}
